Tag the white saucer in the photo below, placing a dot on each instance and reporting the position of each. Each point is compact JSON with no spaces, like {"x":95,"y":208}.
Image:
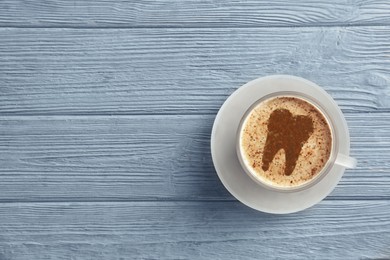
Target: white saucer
{"x":228,"y":167}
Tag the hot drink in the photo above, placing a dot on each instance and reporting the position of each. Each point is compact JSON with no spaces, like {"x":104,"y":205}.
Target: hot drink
{"x":285,"y":141}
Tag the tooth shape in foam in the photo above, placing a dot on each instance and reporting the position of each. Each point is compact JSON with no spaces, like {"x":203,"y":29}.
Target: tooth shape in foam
{"x":286,"y":132}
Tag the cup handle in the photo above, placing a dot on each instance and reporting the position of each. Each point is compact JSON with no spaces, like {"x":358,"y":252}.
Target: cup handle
{"x":346,"y":161}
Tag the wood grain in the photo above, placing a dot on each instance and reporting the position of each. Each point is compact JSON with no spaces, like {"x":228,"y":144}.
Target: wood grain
{"x":106,"y":109}
{"x":150,"y":157}
{"x":193,"y":230}
{"x":189,"y":71}
{"x":192,"y":13}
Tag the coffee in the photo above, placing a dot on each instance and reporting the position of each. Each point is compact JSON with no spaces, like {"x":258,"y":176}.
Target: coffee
{"x":286,"y":141}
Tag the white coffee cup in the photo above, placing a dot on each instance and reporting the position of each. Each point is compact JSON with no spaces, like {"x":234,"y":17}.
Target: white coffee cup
{"x":291,"y":86}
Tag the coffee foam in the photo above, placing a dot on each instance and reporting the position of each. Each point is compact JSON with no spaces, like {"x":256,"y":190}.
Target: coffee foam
{"x":314,"y":153}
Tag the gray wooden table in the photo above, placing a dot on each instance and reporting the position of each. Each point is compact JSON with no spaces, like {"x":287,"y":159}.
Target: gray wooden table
{"x":106,"y":109}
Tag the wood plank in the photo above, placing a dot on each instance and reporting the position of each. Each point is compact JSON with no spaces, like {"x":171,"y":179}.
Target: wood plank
{"x":191,"y":13}
{"x":191,"y":71}
{"x":150,"y":157}
{"x":195,"y":230}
